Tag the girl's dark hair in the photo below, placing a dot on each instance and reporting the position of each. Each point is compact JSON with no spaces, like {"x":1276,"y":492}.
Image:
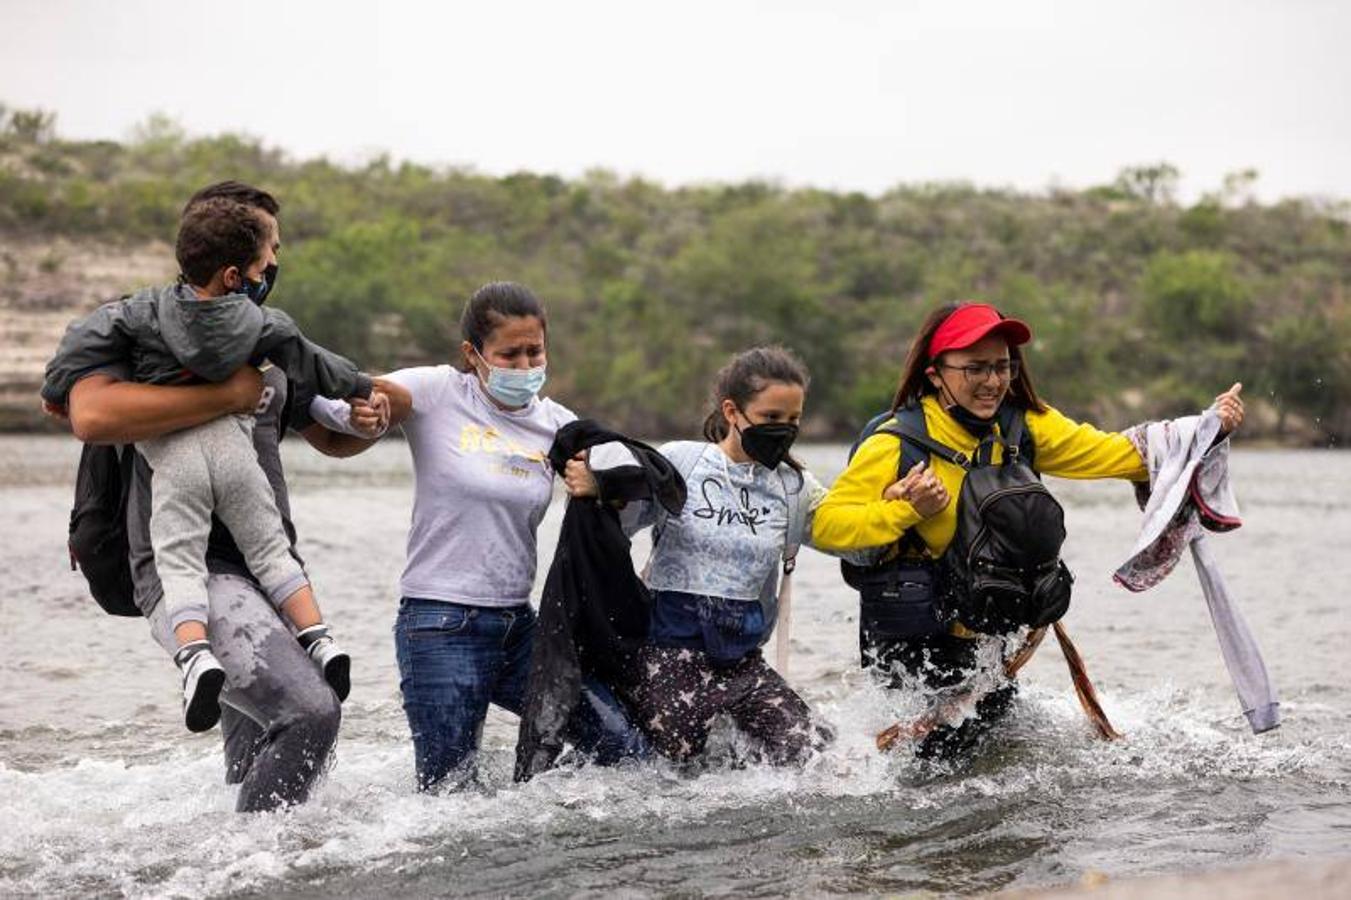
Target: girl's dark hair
{"x":742,"y":380}
{"x":915,"y":380}
{"x":217,"y":233}
{"x":491,"y":305}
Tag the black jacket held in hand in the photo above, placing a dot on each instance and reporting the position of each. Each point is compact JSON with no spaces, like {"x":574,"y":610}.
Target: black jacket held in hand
{"x":594,"y":613}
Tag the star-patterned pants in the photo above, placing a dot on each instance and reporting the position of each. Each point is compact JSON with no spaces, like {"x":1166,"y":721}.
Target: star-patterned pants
{"x":676,"y":693}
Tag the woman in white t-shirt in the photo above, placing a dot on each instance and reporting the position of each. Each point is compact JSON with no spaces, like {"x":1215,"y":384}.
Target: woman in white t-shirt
{"x":480,"y":438}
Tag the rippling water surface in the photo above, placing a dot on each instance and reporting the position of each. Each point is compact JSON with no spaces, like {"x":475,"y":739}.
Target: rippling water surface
{"x":102,"y":792}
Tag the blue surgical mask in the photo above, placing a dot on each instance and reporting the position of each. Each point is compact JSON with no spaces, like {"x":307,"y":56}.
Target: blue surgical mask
{"x":513,"y":387}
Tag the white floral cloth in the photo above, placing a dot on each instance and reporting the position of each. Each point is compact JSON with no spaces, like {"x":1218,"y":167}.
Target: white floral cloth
{"x":1188,"y":495}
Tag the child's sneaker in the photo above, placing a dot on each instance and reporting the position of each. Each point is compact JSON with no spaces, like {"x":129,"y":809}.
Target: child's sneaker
{"x":203,"y":679}
{"x":331,"y":659}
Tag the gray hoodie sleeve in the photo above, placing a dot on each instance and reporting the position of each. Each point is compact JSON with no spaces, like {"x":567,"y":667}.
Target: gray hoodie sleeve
{"x":320,"y":370}
{"x":102,"y":338}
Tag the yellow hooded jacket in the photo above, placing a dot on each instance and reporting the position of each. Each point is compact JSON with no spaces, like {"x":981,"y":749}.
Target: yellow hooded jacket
{"x":853,"y":515}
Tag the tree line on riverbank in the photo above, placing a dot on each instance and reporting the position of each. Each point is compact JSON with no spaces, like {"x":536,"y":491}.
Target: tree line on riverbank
{"x":1142,"y":306}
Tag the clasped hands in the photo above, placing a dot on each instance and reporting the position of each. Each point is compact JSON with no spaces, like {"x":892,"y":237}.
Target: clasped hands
{"x":371,"y":415}
{"x":922,"y":489}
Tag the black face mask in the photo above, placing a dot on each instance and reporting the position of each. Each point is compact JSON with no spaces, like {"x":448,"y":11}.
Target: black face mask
{"x":768,"y":444}
{"x":270,"y":276}
{"x":257,"y":291}
{"x":971,"y":422}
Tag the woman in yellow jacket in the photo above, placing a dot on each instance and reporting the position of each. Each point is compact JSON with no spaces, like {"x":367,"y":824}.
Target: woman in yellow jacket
{"x":965,"y":363}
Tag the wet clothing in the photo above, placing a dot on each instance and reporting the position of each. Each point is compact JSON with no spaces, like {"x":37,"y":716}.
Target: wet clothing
{"x":481,"y":486}
{"x":725,"y":630}
{"x":453,"y":661}
{"x":171,"y":336}
{"x":594,"y":611}
{"x":279,"y":718}
{"x":854,"y":517}
{"x":939,"y":663}
{"x":703,"y":657}
{"x":678,"y":694}
{"x":1188,"y":495}
{"x":482,"y":483}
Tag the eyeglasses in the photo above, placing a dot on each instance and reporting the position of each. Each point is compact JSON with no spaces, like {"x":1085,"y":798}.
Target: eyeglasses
{"x":978,"y":373}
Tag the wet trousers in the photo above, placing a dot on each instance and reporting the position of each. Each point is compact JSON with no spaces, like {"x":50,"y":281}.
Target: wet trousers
{"x":279,"y":718}
{"x":454,"y":660}
{"x":939,"y":662}
{"x":677,"y":692}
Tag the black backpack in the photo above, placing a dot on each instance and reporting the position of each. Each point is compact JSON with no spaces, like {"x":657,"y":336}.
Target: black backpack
{"x":98,"y":526}
{"x":1002,"y":569}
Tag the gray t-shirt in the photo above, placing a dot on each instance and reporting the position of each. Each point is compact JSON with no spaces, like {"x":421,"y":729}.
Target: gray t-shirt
{"x":729,"y":539}
{"x":482,"y":483}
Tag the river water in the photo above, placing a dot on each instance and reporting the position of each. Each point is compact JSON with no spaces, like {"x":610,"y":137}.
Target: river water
{"x":102,"y":792}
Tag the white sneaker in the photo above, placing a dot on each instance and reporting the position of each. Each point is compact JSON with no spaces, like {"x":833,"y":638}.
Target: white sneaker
{"x":331,"y":659}
{"x":203,"y":679}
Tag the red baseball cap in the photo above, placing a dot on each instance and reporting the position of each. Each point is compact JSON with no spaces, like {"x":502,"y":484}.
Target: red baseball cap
{"x":973,"y":321}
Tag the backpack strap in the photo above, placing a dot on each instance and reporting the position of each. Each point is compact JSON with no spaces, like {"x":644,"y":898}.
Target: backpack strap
{"x":1018,"y":443}
{"x":905,"y":428}
{"x":777,"y":605}
{"x":909,"y":426}
{"x":912,"y":454}
{"x":799,"y":506}
{"x":874,"y":423}
{"x":1012,"y":435}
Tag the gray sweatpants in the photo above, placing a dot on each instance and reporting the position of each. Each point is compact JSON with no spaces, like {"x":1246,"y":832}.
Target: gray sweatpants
{"x":213,"y":467}
{"x":279,"y":717}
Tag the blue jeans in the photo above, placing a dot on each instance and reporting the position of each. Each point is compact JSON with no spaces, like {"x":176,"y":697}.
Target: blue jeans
{"x":454,"y":660}
{"x":601,"y":728}
{"x":726,"y":630}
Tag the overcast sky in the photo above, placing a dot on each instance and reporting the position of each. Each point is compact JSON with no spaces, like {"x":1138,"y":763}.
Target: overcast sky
{"x":836,"y":94}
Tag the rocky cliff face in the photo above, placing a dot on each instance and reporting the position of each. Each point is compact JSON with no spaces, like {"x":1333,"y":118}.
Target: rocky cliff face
{"x":44,"y":284}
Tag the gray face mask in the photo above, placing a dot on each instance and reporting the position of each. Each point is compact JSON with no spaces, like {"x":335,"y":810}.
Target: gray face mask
{"x":513,"y":387}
